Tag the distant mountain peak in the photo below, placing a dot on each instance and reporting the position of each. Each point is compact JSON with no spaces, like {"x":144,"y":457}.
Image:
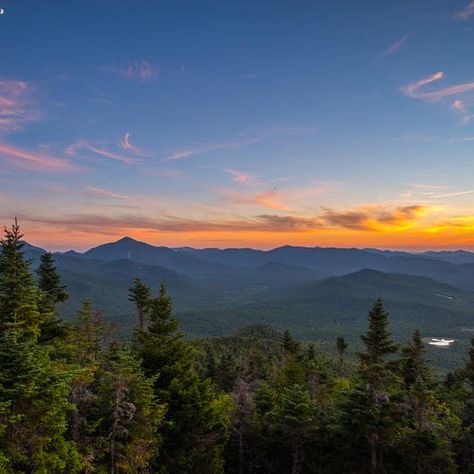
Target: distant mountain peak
{"x":127,"y":239}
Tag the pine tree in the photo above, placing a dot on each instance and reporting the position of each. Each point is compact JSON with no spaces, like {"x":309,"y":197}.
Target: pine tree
{"x":140,"y":295}
{"x":425,"y":445}
{"x":369,"y":416}
{"x":466,"y":445}
{"x":87,"y":340}
{"x":341,"y":346}
{"x":49,"y":281}
{"x":290,"y":346}
{"x":414,"y":369}
{"x":127,"y":432}
{"x":374,"y":366}
{"x":53,"y":329}
{"x":294,"y":419}
{"x":33,"y":390}
{"x":197,"y":420}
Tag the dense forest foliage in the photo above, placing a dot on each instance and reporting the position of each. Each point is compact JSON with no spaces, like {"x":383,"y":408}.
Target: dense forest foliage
{"x":73,"y":399}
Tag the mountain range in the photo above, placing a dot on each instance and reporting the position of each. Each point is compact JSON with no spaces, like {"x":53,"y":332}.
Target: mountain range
{"x":318,"y":292}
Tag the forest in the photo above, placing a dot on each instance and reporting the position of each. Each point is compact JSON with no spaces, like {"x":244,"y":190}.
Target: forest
{"x":75,"y":398}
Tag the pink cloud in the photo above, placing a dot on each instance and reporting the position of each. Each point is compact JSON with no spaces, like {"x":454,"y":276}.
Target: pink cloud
{"x":466,"y":13}
{"x":461,"y":109}
{"x":270,"y":199}
{"x":412,"y":89}
{"x":127,"y":145}
{"x":41,"y":160}
{"x":240,"y":177}
{"x":16,"y":106}
{"x":83,"y":145}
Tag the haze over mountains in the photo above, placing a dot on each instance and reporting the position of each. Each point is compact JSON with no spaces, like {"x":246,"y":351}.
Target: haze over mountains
{"x":318,"y":292}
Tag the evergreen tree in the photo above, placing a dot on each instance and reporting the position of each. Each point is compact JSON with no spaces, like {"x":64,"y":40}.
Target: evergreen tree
{"x":425,"y":444}
{"x":465,"y":446}
{"x":290,"y":346}
{"x":196,"y":420}
{"x":370,"y":415}
{"x":33,"y":390}
{"x":374,"y":366}
{"x":49,"y":281}
{"x":140,"y":295}
{"x":52,"y":293}
{"x":87,"y":340}
{"x":294,"y":420}
{"x":341,"y":346}
{"x":127,"y":431}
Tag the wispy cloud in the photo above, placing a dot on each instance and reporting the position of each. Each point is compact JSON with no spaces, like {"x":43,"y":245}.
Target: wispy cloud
{"x":41,"y":160}
{"x":367,"y":219}
{"x":416,"y":91}
{"x":374,"y":218}
{"x":413,"y":89}
{"x":396,"y":46}
{"x":140,"y":71}
{"x":188,"y":152}
{"x":466,"y":13}
{"x":461,"y":109}
{"x":127,"y":145}
{"x":269,"y":199}
{"x":16,"y":105}
{"x":73,"y":150}
{"x":105,"y":193}
{"x":453,"y":194}
{"x":241,"y":177}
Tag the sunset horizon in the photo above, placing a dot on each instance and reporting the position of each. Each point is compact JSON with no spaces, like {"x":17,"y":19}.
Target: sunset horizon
{"x":200,"y":135}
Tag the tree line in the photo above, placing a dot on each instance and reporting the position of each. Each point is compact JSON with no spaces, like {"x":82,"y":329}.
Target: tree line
{"x":75,"y":400}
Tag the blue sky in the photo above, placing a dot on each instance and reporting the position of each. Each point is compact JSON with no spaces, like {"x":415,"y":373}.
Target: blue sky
{"x":238,"y":123}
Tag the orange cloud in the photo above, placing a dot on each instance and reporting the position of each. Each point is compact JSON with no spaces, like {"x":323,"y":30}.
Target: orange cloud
{"x":374,"y":218}
{"x":40,"y":161}
{"x":270,"y":199}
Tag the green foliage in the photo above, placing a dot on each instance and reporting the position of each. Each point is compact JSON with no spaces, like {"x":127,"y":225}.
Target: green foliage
{"x":140,"y":295}
{"x":254,"y":401}
{"x":196,"y":420}
{"x":33,"y":388}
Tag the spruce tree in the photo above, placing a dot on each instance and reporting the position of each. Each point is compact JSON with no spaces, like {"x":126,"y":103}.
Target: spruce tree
{"x":369,"y":416}
{"x":49,"y":281}
{"x":87,"y":341}
{"x":425,"y":443}
{"x":127,"y":431}
{"x":341,"y":346}
{"x":140,"y":294}
{"x":197,"y":420}
{"x":33,"y":389}
{"x":53,"y":329}
{"x":374,"y":366}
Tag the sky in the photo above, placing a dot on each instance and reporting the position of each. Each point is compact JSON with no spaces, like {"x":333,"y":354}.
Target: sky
{"x":238,"y":123}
